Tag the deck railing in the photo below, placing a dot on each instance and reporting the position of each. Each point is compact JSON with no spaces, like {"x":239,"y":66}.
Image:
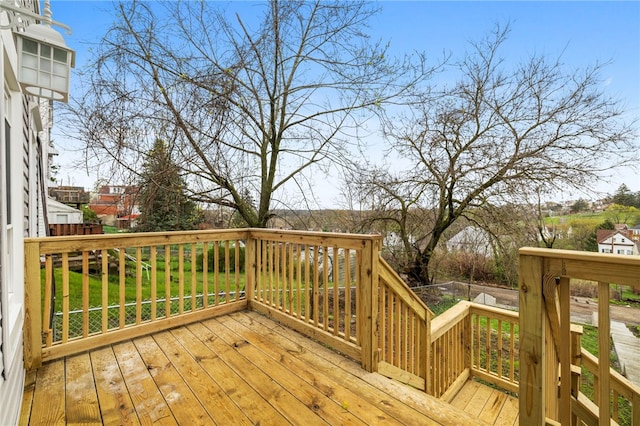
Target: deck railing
{"x":405,"y":331}
{"x":87,"y":291}
{"x":473,"y":340}
{"x":320,"y":284}
{"x":548,"y":348}
{"x":105,"y":288}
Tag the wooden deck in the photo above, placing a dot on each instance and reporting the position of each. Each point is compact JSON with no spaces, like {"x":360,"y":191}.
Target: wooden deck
{"x":236,"y":369}
{"x":489,"y":405}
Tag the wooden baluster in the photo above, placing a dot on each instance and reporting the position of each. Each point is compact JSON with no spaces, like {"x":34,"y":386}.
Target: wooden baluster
{"x":604,"y":386}
{"x":122,"y":284}
{"x":154,"y":285}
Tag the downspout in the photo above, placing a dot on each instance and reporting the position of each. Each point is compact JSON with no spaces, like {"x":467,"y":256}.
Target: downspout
{"x":43,"y":197}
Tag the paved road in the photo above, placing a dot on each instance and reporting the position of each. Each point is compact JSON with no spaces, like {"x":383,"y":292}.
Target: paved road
{"x":582,"y":308}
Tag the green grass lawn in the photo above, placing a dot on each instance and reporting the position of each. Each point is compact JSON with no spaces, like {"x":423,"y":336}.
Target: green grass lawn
{"x":192,"y":283}
{"x":130,"y":287}
{"x":589,"y":342}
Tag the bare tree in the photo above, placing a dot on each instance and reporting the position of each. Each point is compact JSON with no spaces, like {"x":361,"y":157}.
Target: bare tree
{"x":501,"y":132}
{"x":252,"y":105}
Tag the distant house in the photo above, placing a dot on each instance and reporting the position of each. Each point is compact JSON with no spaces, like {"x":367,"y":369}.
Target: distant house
{"x":113,"y":202}
{"x":473,"y":240}
{"x":58,"y":213}
{"x":617,"y":241}
{"x":71,"y":195}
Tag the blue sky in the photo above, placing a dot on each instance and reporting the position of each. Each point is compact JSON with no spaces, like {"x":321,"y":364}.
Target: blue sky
{"x":582,"y":32}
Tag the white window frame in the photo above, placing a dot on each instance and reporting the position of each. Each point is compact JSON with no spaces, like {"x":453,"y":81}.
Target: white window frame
{"x":11,"y":250}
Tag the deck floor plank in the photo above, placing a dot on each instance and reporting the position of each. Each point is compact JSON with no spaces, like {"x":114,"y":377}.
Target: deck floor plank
{"x":242,"y":368}
{"x":509,"y":413}
{"x":27,"y":397}
{"x":412,"y":407}
{"x":478,"y":401}
{"x":493,"y":406}
{"x":464,"y":396}
{"x":488,"y":405}
{"x":282,"y":399}
{"x":48,"y":396}
{"x":310,"y":393}
{"x":217,"y":403}
{"x":149,"y":403}
{"x":81,"y":397}
{"x":318,"y":376}
{"x":115,"y":402}
{"x":174,"y":389}
{"x":257,"y":409}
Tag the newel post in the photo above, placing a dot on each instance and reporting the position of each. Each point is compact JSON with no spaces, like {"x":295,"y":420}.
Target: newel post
{"x":368,"y":295}
{"x":533,"y":390}
{"x":32,"y":327}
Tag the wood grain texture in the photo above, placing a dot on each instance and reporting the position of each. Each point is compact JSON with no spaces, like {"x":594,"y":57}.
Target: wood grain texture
{"x":242,"y":368}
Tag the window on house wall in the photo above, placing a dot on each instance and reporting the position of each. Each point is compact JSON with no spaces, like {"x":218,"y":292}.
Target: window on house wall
{"x":9,"y":313}
{"x":3,"y":244}
{"x":7,"y":191}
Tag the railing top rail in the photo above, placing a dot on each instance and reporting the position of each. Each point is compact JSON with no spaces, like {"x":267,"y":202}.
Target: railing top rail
{"x":499,"y":313}
{"x":603,"y":267}
{"x":93,"y":242}
{"x":397,"y":284}
{"x":609,"y":258}
{"x":444,"y":322}
{"x":313,"y":237}
{"x":49,"y":245}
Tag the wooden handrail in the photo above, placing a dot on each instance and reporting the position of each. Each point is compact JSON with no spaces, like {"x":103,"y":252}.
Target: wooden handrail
{"x":405,"y":325}
{"x":544,"y":279}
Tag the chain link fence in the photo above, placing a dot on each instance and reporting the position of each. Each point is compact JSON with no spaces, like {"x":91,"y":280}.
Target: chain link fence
{"x":130,"y":313}
{"x":443,"y":295}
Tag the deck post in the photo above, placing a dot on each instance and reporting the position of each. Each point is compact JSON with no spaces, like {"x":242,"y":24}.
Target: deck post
{"x":32,"y":316}
{"x":368,"y":315}
{"x":532,"y":392}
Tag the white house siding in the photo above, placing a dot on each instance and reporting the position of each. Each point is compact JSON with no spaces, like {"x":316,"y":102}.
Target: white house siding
{"x":20,"y":120}
{"x":618,"y":244}
{"x":61,"y":213}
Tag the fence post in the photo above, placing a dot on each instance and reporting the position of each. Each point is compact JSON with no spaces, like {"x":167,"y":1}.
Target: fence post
{"x":32,"y":316}
{"x":368,"y":294}
{"x":532,"y":390}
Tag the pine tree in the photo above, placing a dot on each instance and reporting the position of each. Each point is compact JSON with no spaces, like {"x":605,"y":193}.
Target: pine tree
{"x":164,"y":205}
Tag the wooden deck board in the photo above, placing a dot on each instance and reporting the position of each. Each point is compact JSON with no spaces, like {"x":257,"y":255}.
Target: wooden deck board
{"x":115,"y":402}
{"x":216,"y":402}
{"x":488,"y":405}
{"x":48,"y":396}
{"x":150,"y":406}
{"x":400,"y":401}
{"x":81,"y":397}
{"x":306,"y":393}
{"x":175,"y":391}
{"x":237,"y":369}
{"x":332,"y":389}
{"x":269,"y":389}
{"x":240,"y":392}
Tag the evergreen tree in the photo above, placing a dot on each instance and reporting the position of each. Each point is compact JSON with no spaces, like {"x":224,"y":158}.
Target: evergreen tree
{"x":624,"y":196}
{"x":164,"y":205}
